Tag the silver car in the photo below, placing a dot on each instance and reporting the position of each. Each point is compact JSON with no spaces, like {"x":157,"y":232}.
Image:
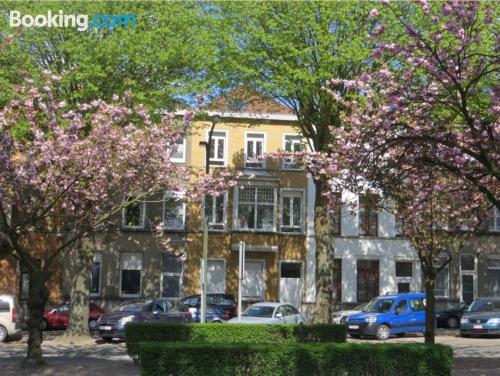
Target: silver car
{"x":9,"y":320}
{"x":270,"y":313}
{"x":341,"y":317}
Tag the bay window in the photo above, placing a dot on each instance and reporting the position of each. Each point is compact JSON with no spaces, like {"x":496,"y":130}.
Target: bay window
{"x":256,"y":209}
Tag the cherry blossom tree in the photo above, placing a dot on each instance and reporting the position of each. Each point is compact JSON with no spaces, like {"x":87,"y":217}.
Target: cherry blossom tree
{"x":66,"y":173}
{"x":434,"y":102}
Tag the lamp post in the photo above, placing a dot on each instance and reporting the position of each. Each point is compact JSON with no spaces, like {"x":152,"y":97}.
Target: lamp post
{"x":204,"y":283}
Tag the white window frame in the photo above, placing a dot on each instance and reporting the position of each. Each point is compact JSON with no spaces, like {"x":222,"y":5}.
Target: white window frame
{"x":142,"y":216}
{"x":225,"y":271}
{"x":404,"y":279}
{"x":236,"y":208}
{"x":171,"y":274}
{"x":290,"y":192}
{"x":264,"y":278}
{"x":224,"y":219}
{"x":249,"y":137}
{"x":183,"y":158}
{"x":169,"y":195}
{"x":491,"y":257}
{"x":447,"y":271}
{"x":494,"y":223}
{"x":285,"y":164}
{"x":140,"y":279}
{"x":472,"y":273}
{"x":98,"y":258}
{"x":226,"y":143}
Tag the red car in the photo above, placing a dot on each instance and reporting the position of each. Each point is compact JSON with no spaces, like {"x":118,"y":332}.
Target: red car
{"x":58,"y":317}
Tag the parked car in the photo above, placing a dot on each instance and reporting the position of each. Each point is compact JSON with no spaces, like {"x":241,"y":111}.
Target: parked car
{"x":214,"y":314}
{"x":112,"y":325}
{"x":270,"y":313}
{"x":9,"y":320}
{"x":389,"y":314}
{"x":58,"y":317}
{"x":225,"y":301}
{"x":482,"y":317}
{"x":340,"y":317}
{"x":450,"y":318}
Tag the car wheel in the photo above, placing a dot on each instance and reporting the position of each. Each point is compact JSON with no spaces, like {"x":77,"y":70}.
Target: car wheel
{"x":343,"y":320}
{"x":44,"y":325}
{"x":383,"y":332}
{"x":452,"y":323}
{"x":92,"y":324}
{"x":3,"y":334}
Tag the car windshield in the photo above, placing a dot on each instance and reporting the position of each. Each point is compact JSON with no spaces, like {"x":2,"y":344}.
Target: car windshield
{"x":484,"y":306}
{"x":259,"y":311}
{"x":129,"y":308}
{"x":360,"y":307}
{"x":379,"y":306}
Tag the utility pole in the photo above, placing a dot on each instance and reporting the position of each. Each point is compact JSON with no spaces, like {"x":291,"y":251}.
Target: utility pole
{"x":204,"y":283}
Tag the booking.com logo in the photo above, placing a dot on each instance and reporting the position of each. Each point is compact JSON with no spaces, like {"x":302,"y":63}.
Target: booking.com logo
{"x":79,"y":21}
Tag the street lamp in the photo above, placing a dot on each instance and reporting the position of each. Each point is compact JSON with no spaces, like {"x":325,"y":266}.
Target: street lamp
{"x":204,"y":283}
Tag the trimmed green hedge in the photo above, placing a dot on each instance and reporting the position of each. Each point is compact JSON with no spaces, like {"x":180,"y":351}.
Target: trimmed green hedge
{"x":286,"y":359}
{"x":230,"y":333}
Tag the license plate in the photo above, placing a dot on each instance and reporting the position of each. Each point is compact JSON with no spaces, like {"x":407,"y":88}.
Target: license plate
{"x":477,"y":327}
{"x":105,"y":327}
{"x":353,"y":326}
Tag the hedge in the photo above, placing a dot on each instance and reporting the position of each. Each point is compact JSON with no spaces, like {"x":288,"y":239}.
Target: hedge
{"x":289,"y":359}
{"x":231,"y":333}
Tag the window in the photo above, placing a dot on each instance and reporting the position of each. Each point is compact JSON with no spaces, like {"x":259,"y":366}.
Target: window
{"x":337,"y":214}
{"x":292,"y":212}
{"x":171,"y":275}
{"x":404,"y":273}
{"x":442,"y":283}
{"x":215,"y":210}
{"x":398,"y":226}
{"x":133,"y":214}
{"x":495,"y":220}
{"x":493,"y":276}
{"x":402,"y":306}
{"x":368,"y":280}
{"x":254,"y":149}
{"x":337,"y":280}
{"x":218,"y":148}
{"x":4,"y":306}
{"x":131,"y":268}
{"x":292,"y":143}
{"x":95,"y":275}
{"x":256,"y":209}
{"x":253,"y":283}
{"x":179,"y":154}
{"x":368,"y":216}
{"x":417,"y":305}
{"x":216,"y":275}
{"x":174,"y":211}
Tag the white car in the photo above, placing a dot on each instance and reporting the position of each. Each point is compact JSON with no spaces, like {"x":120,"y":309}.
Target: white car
{"x":270,"y":313}
{"x":341,"y":317}
{"x":9,"y":320}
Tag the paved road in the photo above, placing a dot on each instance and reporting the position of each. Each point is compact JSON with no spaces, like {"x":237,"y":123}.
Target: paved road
{"x":473,"y":356}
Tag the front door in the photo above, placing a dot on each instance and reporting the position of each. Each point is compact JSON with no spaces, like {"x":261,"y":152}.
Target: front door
{"x":403,"y":319}
{"x":367,"y":280}
{"x":291,"y":283}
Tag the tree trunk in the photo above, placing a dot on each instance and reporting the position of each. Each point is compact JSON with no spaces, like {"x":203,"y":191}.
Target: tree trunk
{"x":429,"y":307}
{"x":324,"y":257}
{"x":79,"y":264}
{"x":38,"y":295}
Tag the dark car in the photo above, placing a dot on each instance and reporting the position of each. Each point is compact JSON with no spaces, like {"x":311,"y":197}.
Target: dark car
{"x":481,"y":318}
{"x":214,"y":314}
{"x":58,"y":316}
{"x":450,"y":318}
{"x":225,"y":301}
{"x":112,"y":325}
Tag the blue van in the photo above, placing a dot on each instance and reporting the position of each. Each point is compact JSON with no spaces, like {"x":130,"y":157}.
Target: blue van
{"x":389,"y":314}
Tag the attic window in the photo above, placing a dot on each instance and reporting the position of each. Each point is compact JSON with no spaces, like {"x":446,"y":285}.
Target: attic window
{"x":237,"y":105}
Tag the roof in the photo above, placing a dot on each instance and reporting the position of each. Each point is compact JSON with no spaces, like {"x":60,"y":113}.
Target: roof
{"x":267,"y":304}
{"x":246,"y":115}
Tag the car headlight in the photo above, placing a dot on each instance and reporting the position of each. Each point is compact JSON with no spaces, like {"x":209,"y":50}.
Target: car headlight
{"x":126,"y":319}
{"x":464,"y":320}
{"x":494,"y":320}
{"x":371,"y":319}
